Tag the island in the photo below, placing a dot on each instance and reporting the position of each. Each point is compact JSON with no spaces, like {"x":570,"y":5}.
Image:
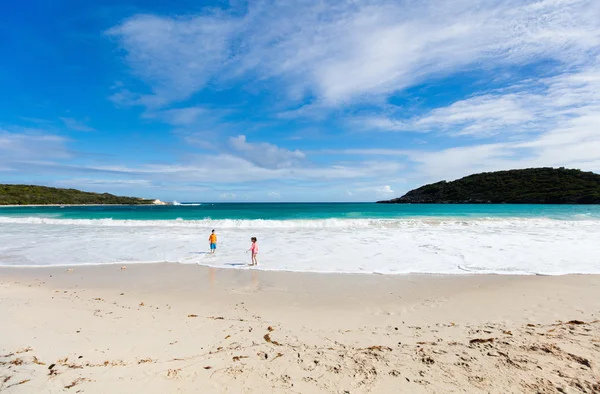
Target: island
{"x":527,"y":186}
{"x":42,"y":195}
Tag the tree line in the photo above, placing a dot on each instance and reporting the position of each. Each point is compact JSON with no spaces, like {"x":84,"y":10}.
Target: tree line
{"x":526,"y":186}
{"x":42,"y":195}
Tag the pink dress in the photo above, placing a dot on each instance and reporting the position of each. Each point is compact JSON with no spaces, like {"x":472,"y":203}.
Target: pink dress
{"x":254,"y":248}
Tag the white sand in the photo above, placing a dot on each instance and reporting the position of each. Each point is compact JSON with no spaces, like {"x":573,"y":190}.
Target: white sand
{"x":167,"y":328}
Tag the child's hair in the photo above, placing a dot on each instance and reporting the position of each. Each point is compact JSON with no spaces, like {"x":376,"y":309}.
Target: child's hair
{"x":213,"y":231}
{"x":253,"y":239}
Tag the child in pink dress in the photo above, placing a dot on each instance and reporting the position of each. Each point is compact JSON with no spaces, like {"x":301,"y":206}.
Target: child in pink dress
{"x":254,"y":250}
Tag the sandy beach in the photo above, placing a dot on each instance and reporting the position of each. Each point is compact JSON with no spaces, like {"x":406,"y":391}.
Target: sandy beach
{"x":165,"y":328}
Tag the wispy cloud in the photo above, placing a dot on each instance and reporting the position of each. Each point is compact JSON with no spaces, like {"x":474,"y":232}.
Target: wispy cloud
{"x":104,"y":182}
{"x":75,"y":124}
{"x":240,"y":164}
{"x":363,"y":152}
{"x":175,"y":56}
{"x":386,"y":189}
{"x":264,"y":154}
{"x":23,"y":145}
{"x":228,"y":169}
{"x":573,"y":142}
{"x":269,"y":95}
{"x":477,"y":116}
{"x":228,"y":196}
{"x":530,"y":106}
{"x":331,"y":55}
{"x":547,"y":122}
{"x":181,"y":116}
{"x":341,"y":51}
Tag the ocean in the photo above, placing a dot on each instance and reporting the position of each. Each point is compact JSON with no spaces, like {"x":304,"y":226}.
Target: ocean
{"x":312,"y":237}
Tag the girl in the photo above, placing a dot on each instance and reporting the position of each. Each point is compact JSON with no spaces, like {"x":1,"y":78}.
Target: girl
{"x":254,"y":250}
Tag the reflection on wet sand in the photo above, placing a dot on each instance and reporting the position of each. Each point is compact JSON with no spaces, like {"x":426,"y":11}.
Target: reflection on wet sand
{"x":254,"y":282}
{"x":212,"y":272}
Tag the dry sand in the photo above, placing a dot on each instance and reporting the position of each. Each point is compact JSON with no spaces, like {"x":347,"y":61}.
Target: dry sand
{"x":179,"y":328}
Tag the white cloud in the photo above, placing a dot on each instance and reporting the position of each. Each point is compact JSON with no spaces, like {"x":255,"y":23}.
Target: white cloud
{"x":367,"y":190}
{"x":103,"y":183}
{"x":264,"y":154}
{"x":364,"y":152}
{"x":228,"y":196}
{"x":340,"y":51}
{"x":575,"y":144}
{"x":274,"y":195}
{"x":460,"y":161}
{"x":175,"y":56}
{"x":479,"y":115}
{"x":547,"y":122}
{"x":125,"y":97}
{"x":180,"y":116}
{"x":386,"y":189}
{"x":383,"y":123}
{"x":224,"y":169}
{"x":348,"y":52}
{"x":76,"y":125}
{"x":129,"y":187}
{"x":529,"y":107}
{"x":31,"y":145}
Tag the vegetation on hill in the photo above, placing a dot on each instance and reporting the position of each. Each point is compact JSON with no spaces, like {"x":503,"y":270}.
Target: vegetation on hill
{"x":40,"y":195}
{"x":527,"y":186}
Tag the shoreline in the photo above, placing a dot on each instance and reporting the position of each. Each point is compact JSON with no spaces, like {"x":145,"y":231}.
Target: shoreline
{"x":173,"y":327}
{"x":181,"y":270}
{"x":259,"y":268}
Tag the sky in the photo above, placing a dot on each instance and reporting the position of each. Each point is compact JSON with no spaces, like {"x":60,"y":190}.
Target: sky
{"x":304,"y":100}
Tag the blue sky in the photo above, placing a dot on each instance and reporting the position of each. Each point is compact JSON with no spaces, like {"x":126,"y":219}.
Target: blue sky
{"x":295,"y":100}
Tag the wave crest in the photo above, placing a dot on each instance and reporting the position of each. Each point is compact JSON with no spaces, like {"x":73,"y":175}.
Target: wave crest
{"x":332,"y":223}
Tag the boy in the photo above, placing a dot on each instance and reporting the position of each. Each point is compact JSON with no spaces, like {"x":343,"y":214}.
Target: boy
{"x":212,"y":239}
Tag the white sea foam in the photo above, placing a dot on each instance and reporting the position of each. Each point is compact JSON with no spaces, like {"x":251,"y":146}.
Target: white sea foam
{"x":332,"y":223}
{"x":185,"y":204}
{"x":391,"y":246}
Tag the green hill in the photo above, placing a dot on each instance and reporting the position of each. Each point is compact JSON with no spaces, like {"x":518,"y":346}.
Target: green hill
{"x":527,"y":186}
{"x":40,"y":195}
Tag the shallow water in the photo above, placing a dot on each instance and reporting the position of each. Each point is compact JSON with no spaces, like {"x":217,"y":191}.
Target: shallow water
{"x":368,"y":238}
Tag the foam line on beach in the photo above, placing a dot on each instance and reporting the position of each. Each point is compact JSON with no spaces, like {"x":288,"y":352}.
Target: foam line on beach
{"x":306,"y":223}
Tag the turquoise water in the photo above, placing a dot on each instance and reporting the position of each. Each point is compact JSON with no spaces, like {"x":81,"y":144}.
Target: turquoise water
{"x":306,"y":211}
